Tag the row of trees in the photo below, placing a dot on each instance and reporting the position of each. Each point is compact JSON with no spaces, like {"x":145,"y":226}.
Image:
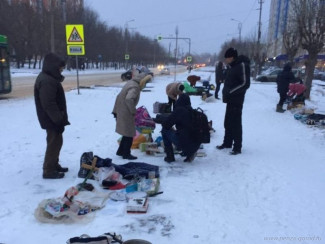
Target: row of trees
{"x":32,"y":32}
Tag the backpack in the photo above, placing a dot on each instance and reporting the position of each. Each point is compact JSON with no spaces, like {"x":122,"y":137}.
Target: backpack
{"x":200,"y":126}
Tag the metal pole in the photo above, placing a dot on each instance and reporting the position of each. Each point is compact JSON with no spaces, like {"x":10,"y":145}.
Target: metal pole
{"x":77,"y":74}
{"x":258,"y":40}
{"x":176,"y":31}
{"x":52,"y":27}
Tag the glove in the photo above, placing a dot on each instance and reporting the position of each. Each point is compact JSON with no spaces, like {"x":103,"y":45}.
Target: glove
{"x":114,"y":114}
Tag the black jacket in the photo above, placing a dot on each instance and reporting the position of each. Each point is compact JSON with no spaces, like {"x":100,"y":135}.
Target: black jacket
{"x":49,"y":95}
{"x":284,"y":78}
{"x":181,"y":118}
{"x":237,"y":81}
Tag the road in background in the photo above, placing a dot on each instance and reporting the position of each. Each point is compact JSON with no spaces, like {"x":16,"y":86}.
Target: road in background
{"x":23,"y":86}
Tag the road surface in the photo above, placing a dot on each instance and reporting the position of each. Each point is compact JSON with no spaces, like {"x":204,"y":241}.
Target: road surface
{"x":24,"y":86}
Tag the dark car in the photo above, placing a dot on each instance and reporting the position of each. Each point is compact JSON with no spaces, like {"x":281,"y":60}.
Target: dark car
{"x":128,"y":74}
{"x":270,"y":76}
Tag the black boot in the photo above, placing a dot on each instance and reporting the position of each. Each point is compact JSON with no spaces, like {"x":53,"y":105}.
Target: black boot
{"x":169,"y":155}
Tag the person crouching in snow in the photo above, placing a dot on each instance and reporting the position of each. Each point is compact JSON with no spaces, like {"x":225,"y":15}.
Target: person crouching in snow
{"x":182,"y":137}
{"x":173,"y":90}
{"x":124,"y":111}
{"x":192,"y":79}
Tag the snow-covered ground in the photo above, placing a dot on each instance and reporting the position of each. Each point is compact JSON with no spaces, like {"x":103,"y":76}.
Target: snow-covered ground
{"x":274,"y":189}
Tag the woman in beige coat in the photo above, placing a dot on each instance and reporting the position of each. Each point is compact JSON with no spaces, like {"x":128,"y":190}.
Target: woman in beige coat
{"x":173,"y":90}
{"x":124,"y":111}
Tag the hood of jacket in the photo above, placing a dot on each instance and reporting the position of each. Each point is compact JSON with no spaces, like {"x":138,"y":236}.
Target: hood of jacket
{"x":183,"y":101}
{"x":52,"y":64}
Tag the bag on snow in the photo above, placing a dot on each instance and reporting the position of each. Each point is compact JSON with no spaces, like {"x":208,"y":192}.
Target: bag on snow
{"x":200,"y":126}
{"x":143,"y":119}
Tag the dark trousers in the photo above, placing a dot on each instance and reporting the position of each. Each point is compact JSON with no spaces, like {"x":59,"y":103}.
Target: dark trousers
{"x":217,"y":90}
{"x":170,"y":138}
{"x":54,"y":142}
{"x":125,"y":146}
{"x":172,"y":103}
{"x":283,"y":97}
{"x":233,"y":126}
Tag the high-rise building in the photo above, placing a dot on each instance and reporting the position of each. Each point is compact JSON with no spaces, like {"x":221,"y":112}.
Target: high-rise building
{"x":278,"y":20}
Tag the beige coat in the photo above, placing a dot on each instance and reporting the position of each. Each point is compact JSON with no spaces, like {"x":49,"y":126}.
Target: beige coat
{"x":172,"y":90}
{"x":125,"y":108}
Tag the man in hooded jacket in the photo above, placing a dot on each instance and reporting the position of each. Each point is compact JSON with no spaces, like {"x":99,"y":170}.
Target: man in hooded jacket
{"x":182,"y":138}
{"x":236,"y":83}
{"x":52,"y":113}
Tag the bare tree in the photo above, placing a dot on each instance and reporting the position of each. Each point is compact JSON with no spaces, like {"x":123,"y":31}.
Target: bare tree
{"x":310,"y":19}
{"x":291,"y":40}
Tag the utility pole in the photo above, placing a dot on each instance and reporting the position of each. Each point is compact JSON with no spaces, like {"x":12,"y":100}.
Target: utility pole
{"x":258,"y":59}
{"x":52,"y":26}
{"x":176,"y":32}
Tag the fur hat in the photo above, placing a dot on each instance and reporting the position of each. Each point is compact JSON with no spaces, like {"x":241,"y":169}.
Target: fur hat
{"x":231,"y":53}
{"x":137,"y":75}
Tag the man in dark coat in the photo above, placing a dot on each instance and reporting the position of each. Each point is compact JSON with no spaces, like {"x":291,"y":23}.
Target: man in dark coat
{"x":182,"y":137}
{"x":52,"y":114}
{"x":284,"y":78}
{"x":237,"y":81}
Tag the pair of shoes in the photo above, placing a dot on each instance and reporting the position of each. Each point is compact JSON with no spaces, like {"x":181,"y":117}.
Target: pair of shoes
{"x":61,"y":169}
{"x":119,"y":154}
{"x":222,"y":146}
{"x":130,"y":157}
{"x":235,"y":152}
{"x":189,"y":159}
{"x":53,"y":175}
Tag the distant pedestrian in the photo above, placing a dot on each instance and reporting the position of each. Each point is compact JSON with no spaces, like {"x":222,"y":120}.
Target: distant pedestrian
{"x":173,"y":90}
{"x":220,"y":76}
{"x":284,"y":78}
{"x":192,"y":79}
{"x":52,"y":112}
{"x":237,"y":81}
{"x":124,"y":111}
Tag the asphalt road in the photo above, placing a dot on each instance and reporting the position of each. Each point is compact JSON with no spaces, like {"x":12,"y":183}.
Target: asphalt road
{"x":23,"y":87}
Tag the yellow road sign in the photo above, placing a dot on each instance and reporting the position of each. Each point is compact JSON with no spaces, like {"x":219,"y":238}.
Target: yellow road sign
{"x":74,"y":34}
{"x":76,"y":49}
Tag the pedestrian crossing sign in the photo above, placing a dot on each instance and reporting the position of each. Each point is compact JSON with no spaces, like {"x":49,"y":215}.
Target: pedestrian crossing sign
{"x":75,"y":34}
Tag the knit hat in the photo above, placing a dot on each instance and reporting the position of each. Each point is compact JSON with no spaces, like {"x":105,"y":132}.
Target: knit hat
{"x":231,"y":53}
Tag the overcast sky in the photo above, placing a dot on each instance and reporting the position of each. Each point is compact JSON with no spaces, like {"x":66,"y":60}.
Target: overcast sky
{"x":206,"y":22}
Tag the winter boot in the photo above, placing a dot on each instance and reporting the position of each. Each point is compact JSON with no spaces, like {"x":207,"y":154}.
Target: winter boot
{"x":169,"y":155}
{"x":279,"y":109}
{"x":86,"y":158}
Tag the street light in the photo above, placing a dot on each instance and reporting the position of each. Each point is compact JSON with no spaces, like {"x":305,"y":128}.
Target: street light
{"x":126,"y":40}
{"x":240,"y":25}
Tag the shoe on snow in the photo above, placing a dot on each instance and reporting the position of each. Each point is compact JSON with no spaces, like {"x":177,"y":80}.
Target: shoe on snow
{"x":53,"y":175}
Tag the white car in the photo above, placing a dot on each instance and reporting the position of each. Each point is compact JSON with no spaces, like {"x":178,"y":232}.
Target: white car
{"x":165,"y":71}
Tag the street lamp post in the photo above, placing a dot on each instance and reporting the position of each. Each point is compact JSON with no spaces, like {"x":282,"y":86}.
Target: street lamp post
{"x":240,"y":25}
{"x":126,"y":40}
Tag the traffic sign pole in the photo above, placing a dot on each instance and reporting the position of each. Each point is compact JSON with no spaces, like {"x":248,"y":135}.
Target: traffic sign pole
{"x":75,"y":44}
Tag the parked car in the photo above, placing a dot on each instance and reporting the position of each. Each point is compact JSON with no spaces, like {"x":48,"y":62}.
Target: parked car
{"x":128,"y":74}
{"x":165,"y":71}
{"x":271,"y":75}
